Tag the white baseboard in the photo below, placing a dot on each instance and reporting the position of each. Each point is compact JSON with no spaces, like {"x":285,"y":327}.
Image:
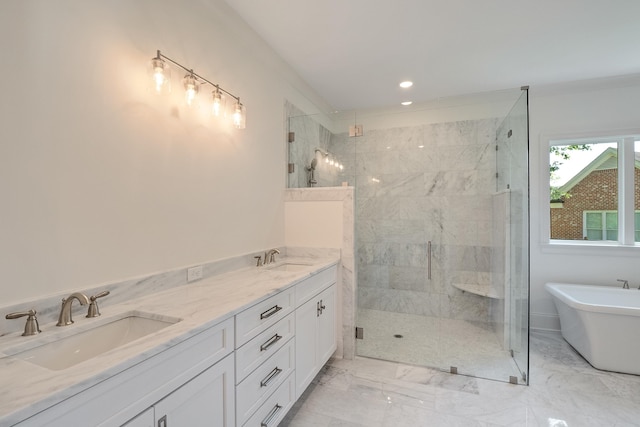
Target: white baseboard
{"x":544,"y":322}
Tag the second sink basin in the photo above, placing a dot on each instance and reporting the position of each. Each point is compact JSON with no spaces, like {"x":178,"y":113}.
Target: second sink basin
{"x":73,"y":349}
{"x":287,"y":266}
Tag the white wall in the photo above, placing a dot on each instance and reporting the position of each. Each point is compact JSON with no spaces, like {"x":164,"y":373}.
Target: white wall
{"x":314,"y":224}
{"x":609,"y":104}
{"x":100,"y":179}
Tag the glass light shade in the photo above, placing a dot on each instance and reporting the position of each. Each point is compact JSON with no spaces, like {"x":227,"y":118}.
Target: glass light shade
{"x":218,"y":104}
{"x":160,"y":73}
{"x":190,"y":88}
{"x":239,"y":116}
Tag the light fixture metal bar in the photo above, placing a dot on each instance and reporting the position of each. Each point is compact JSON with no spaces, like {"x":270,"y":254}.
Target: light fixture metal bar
{"x":188,"y":70}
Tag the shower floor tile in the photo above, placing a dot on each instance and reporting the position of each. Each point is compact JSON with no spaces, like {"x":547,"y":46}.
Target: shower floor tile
{"x":473,"y":348}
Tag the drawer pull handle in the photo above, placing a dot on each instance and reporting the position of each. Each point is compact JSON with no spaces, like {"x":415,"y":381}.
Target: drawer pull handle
{"x":162,"y":422}
{"x":274,"y":339}
{"x":270,"y":416}
{"x":265,"y":382}
{"x":273,"y":310}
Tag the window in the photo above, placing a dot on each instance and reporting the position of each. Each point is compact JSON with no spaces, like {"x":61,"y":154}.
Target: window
{"x":594,"y":185}
{"x":604,"y":225}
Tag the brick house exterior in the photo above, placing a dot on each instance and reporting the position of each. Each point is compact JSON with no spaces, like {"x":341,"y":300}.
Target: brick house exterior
{"x":595,"y":188}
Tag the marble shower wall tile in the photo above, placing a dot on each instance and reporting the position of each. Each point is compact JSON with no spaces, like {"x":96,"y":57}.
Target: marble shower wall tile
{"x":413,"y":185}
{"x":400,"y":301}
{"x":418,"y":184}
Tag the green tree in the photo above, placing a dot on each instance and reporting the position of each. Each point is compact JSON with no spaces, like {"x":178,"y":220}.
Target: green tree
{"x":564,"y":153}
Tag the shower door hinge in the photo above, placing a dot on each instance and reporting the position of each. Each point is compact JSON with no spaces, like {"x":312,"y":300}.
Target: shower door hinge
{"x":291,"y":167}
{"x":513,"y":380}
{"x":356,"y":130}
{"x":509,"y":133}
{"x":359,"y":333}
{"x":511,"y":353}
{"x":496,"y":147}
{"x":453,"y":370}
{"x":291,"y":137}
{"x":524,"y":377}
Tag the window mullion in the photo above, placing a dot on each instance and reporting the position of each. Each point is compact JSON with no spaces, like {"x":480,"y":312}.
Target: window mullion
{"x":626,"y":165}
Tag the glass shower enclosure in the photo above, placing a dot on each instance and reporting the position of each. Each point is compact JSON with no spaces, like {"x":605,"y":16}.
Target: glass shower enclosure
{"x":441,"y":232}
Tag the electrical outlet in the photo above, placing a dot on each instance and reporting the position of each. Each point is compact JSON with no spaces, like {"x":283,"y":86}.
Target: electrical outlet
{"x":194,"y":273}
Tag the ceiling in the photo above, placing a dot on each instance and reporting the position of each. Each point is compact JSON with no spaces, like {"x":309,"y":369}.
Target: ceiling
{"x":354,"y":53}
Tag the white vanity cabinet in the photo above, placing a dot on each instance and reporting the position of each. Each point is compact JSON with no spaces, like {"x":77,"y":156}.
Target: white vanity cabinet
{"x":145,"y":419}
{"x":161,"y":382}
{"x":245,"y":370}
{"x":315,"y":326}
{"x":206,"y":400}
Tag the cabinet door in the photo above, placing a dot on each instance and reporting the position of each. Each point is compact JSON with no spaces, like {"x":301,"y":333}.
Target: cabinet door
{"x":206,"y":400}
{"x":306,"y":344}
{"x":327,"y":325}
{"x":145,"y":419}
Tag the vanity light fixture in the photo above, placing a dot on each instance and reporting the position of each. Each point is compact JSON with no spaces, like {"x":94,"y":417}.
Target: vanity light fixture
{"x":161,"y":76}
{"x":406,"y":103}
{"x":217,"y":107}
{"x":239,"y":115}
{"x":406,"y":84}
{"x":190,"y":87}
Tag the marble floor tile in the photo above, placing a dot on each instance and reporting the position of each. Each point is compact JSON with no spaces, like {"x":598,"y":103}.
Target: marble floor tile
{"x":564,"y":391}
{"x":472,"y":347}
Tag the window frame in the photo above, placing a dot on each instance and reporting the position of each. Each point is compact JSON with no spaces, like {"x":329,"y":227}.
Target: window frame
{"x":626,"y":170}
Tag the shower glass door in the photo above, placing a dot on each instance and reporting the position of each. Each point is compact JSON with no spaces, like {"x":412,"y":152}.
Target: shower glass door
{"x":512,"y":186}
{"x":438,"y":240}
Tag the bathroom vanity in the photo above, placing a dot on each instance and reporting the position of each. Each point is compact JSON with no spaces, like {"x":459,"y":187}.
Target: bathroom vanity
{"x":237,"y":349}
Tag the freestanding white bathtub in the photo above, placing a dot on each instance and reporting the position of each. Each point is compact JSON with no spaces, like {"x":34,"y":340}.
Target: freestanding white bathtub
{"x":602,"y":323}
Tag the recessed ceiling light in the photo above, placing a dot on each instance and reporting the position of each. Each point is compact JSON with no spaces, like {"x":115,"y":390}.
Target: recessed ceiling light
{"x":406,"y":84}
{"x":407,"y":103}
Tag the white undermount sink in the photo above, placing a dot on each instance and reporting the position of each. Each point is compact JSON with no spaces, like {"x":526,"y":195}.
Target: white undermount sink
{"x":73,"y":349}
{"x":289,"y":266}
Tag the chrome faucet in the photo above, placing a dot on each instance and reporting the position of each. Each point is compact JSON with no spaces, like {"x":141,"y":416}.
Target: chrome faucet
{"x":625,"y":283}
{"x":270,"y":256}
{"x":65,"y":312}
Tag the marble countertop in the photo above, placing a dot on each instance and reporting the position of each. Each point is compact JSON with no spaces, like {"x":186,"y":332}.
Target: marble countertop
{"x":28,"y":388}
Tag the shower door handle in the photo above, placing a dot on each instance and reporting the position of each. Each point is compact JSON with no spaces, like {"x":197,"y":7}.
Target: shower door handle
{"x":429,"y":260}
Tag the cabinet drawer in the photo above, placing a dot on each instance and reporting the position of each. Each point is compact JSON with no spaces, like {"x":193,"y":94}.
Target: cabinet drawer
{"x":314,"y":284}
{"x":273,"y":410}
{"x":251,"y":392}
{"x":255,"y":319}
{"x":255,"y":352}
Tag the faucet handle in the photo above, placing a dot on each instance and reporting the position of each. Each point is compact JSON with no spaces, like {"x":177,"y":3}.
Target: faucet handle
{"x":625,"y":283}
{"x":94,"y":311}
{"x":31,"y":327}
{"x":258,"y":260}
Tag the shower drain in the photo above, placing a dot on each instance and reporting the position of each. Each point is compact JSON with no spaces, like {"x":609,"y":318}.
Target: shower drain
{"x":398,"y":336}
